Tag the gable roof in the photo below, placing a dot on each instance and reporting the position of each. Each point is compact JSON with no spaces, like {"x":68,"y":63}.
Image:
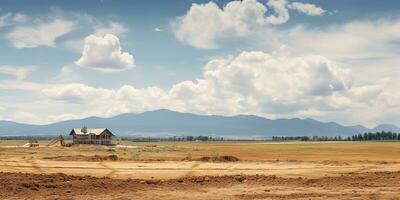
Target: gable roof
{"x":96,"y":131}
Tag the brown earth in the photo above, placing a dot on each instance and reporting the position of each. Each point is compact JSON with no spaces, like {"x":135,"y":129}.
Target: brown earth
{"x":180,"y":170}
{"x":215,"y":159}
{"x":376,"y":185}
{"x":84,"y":158}
{"x":113,"y":157}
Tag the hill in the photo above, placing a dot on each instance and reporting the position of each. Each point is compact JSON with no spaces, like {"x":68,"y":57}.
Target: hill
{"x":163,"y":123}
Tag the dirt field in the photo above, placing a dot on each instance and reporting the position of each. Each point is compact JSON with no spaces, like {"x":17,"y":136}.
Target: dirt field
{"x":214,"y":170}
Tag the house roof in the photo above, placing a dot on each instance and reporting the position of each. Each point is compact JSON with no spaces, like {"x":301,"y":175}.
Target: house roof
{"x":96,"y":131}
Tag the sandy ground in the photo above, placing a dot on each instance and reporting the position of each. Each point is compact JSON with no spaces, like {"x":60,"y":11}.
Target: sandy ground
{"x":177,"y":171}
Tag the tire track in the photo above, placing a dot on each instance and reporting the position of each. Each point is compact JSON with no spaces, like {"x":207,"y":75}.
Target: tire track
{"x":35,"y":165}
{"x":113,"y":170}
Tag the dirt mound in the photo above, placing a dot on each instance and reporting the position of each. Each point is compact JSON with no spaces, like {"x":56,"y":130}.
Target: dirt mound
{"x":218,"y":159}
{"x":40,"y":186}
{"x":334,"y":163}
{"x":84,"y":158}
{"x":45,"y":186}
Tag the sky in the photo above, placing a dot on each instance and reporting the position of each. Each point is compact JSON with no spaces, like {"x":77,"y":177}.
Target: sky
{"x":327,"y":60}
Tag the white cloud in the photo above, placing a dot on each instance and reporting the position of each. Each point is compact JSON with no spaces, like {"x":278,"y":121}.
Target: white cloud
{"x":370,"y":48}
{"x":204,"y":24}
{"x":114,"y":28}
{"x":274,"y":85}
{"x":66,"y":70}
{"x":4,"y":19}
{"x":24,"y":117}
{"x":257,"y":82}
{"x":18,"y":72}
{"x":252,"y":82}
{"x":306,"y":8}
{"x":62,"y":117}
{"x":108,"y":102}
{"x":75,"y":93}
{"x":20,"y":85}
{"x":10,"y":19}
{"x":20,"y":17}
{"x":382,"y":101}
{"x":352,"y":40}
{"x":282,"y":13}
{"x":40,"y":34}
{"x":99,"y":29}
{"x":156,"y":29}
{"x":104,"y":53}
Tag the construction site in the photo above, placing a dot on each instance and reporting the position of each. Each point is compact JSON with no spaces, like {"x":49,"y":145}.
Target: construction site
{"x":57,"y":169}
{"x":58,"y":141}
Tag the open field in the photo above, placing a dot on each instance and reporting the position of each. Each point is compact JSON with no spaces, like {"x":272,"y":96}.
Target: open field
{"x":171,"y":170}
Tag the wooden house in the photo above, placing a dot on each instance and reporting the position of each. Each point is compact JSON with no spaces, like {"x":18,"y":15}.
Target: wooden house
{"x":99,"y":136}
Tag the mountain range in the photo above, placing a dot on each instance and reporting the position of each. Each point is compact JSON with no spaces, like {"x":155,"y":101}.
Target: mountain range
{"x":165,"y":123}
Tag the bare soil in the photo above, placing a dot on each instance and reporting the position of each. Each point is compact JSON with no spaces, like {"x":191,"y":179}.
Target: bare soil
{"x":215,"y":170}
{"x":376,"y":185}
{"x":215,"y":159}
{"x":94,"y":158}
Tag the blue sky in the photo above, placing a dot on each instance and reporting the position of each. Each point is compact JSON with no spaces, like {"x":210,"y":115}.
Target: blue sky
{"x":328,"y":60}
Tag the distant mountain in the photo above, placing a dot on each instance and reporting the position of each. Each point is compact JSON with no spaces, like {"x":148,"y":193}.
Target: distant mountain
{"x":163,"y":123}
{"x":386,"y":127}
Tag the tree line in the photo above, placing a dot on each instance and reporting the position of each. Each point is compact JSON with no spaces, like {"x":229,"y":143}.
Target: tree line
{"x":370,"y":136}
{"x":27,"y":137}
{"x":383,"y":135}
{"x":307,"y":138}
{"x":174,"y":138}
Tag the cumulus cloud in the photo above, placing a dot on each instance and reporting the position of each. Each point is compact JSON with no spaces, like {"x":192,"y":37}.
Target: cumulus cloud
{"x":204,"y":24}
{"x":268,"y":84}
{"x":273,"y":85}
{"x":372,"y":55}
{"x":254,"y":82}
{"x":40,"y":34}
{"x":99,"y":29}
{"x":108,"y":102}
{"x":156,"y":29}
{"x":381,"y":100}
{"x":306,"y":8}
{"x":103,"y":53}
{"x":264,"y":83}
